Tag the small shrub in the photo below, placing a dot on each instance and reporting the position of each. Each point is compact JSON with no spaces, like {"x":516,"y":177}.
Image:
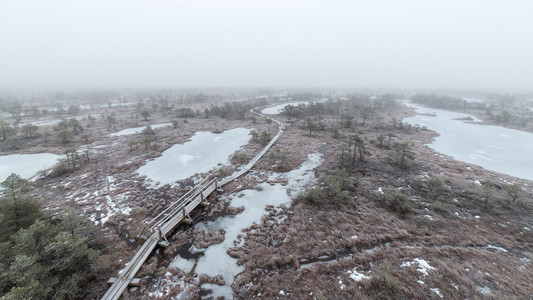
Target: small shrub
{"x":336,"y":185}
{"x":399,"y":202}
{"x":436,"y":189}
{"x":311,"y":195}
{"x":384,"y":283}
{"x":239,"y":157}
{"x":440,"y":208}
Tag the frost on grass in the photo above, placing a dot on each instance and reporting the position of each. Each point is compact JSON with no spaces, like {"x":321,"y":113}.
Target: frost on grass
{"x":169,"y":286}
{"x":106,"y":206}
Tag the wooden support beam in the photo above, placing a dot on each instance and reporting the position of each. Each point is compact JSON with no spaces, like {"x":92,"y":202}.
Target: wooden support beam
{"x":141,"y":237}
{"x":164,"y":244}
{"x":134,"y":281}
{"x":186,"y":218}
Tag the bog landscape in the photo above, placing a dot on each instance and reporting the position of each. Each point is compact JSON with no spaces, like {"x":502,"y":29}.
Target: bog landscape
{"x":280,"y":149}
{"x":358,"y":195}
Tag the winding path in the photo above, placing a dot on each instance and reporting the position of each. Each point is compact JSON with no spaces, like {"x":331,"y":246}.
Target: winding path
{"x":163,"y":224}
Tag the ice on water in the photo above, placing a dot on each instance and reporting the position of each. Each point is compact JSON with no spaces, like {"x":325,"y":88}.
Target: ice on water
{"x":215,"y":260}
{"x":201,"y":154}
{"x":135,"y":130}
{"x":495,"y":148}
{"x":274,"y":110}
{"x":25,"y":165}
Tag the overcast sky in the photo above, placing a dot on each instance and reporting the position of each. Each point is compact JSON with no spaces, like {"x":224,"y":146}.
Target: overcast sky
{"x":260,"y":43}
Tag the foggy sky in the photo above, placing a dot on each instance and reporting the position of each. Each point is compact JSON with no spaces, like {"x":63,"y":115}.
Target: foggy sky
{"x":260,"y":43}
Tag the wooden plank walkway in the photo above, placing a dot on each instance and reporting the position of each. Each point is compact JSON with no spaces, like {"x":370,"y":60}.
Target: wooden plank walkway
{"x":163,"y":224}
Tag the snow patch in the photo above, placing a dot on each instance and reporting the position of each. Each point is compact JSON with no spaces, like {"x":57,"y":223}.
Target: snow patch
{"x":423,"y":266}
{"x":356,"y":276}
{"x":484,"y":290}
{"x":489,"y":246}
{"x":437,"y":291}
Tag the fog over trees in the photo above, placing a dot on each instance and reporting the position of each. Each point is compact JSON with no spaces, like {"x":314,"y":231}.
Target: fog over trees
{"x":377,"y":44}
{"x":291,"y":149}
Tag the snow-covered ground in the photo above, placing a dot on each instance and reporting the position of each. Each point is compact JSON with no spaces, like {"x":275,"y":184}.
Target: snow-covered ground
{"x":492,"y":147}
{"x":134,"y":130}
{"x":215,"y":260}
{"x":204,"y":152}
{"x":25,"y":165}
{"x":105,"y":204}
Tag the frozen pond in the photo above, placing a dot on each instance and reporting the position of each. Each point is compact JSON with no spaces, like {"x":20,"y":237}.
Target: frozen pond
{"x":134,"y":130}
{"x":278,"y":108}
{"x":25,"y":165}
{"x":494,"y":148}
{"x":201,"y":154}
{"x":215,"y":260}
{"x":56,"y":121}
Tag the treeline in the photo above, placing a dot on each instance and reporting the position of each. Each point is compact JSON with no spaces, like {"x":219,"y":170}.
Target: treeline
{"x":446,"y":102}
{"x":44,"y":256}
{"x":11,"y":134}
{"x":356,"y":106}
{"x":146,"y":137}
{"x":228,"y":110}
{"x":17,"y":110}
{"x":234,"y":110}
{"x":72,"y":161}
{"x":500,"y":109}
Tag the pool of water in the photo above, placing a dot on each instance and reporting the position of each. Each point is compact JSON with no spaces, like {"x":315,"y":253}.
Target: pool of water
{"x":494,"y":148}
{"x":204,"y":152}
{"x":134,"y":130}
{"x":25,"y":165}
{"x":215,"y":260}
{"x":274,"y":110}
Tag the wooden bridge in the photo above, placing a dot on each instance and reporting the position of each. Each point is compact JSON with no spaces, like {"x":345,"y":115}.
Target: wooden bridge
{"x":156,"y":231}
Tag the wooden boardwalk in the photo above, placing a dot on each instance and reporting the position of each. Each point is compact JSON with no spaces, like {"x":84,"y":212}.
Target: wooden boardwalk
{"x":156,"y":231}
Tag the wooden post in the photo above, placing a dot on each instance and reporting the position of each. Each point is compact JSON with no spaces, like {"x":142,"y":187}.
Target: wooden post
{"x":160,"y":233}
{"x":217,"y":186}
{"x":186,"y":218}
